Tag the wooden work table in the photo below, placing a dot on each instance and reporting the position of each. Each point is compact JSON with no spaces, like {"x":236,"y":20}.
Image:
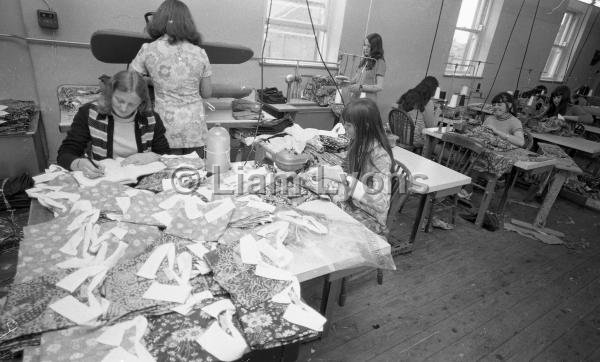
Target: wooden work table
{"x":591,"y":148}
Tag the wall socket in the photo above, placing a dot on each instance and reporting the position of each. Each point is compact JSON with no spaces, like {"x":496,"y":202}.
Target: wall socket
{"x":47,"y":19}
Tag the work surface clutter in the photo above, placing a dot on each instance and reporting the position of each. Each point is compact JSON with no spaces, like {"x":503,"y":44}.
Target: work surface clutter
{"x":188,"y":266}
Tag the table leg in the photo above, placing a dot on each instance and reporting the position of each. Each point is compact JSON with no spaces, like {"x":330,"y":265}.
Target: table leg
{"x":488,"y":194}
{"x":429,"y":146}
{"x":557,"y":183}
{"x":418,"y":218}
{"x":509,"y":185}
{"x":331,"y":289}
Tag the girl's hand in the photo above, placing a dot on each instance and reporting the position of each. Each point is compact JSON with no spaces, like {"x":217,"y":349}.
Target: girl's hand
{"x":87,"y":168}
{"x":140,"y":159}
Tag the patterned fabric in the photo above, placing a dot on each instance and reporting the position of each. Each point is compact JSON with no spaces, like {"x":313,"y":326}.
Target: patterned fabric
{"x":199,"y":229}
{"x":154,"y":181}
{"x":238,"y":279}
{"x":176,"y":71}
{"x":334,"y":144}
{"x":103,"y":195}
{"x":26,"y":309}
{"x":125,"y":289}
{"x":552,"y":125}
{"x":175,"y":162}
{"x":79,"y":344}
{"x":142,"y":206}
{"x":172,"y":337}
{"x":265,"y":327}
{"x":499,"y":155}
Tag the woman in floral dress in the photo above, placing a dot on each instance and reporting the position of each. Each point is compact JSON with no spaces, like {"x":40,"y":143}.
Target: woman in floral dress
{"x":180,"y":71}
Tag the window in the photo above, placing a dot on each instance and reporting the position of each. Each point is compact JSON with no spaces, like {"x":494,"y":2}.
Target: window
{"x":562,"y":48}
{"x":290,"y":38}
{"x":474,"y":31}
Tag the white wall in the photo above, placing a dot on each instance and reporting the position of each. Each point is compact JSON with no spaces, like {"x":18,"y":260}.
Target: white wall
{"x":407,"y":28}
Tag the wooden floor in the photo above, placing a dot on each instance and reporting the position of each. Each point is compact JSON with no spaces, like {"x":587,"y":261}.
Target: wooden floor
{"x":471,"y":294}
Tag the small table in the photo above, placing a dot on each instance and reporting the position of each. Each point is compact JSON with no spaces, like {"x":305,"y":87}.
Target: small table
{"x":576,"y":143}
{"x":432,"y":135}
{"x":441,"y":181}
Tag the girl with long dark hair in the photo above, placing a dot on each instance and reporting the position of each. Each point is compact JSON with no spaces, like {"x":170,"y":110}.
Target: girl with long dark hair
{"x":418,"y":104}
{"x":560,"y":104}
{"x":180,"y":71}
{"x":371,"y":69}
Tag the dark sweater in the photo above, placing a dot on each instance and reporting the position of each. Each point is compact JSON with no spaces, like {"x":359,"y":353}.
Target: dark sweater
{"x":75,"y":144}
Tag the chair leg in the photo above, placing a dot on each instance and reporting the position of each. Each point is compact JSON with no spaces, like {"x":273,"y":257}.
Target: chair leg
{"x":342,"y":297}
{"x":379,"y":276}
{"x":454,"y":209}
{"x":488,"y":194}
{"x":429,"y":213}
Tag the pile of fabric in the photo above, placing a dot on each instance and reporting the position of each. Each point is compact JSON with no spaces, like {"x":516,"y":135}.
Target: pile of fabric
{"x":15,"y":116}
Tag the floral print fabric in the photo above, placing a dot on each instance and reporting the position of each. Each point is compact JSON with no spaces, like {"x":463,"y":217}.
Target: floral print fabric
{"x":78,"y":344}
{"x":264,"y":326}
{"x":176,"y":71}
{"x":103,"y":195}
{"x":199,"y":229}
{"x":246,"y":288}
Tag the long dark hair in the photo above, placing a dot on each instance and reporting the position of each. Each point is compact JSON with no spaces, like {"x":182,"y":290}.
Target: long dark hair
{"x":126,"y":81}
{"x":173,"y":18}
{"x":376,"y":44}
{"x":364,"y":115}
{"x":419,"y":96}
{"x":565,"y":93}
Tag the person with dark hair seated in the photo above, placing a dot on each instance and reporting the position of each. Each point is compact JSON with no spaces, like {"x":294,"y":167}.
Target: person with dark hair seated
{"x":418,"y":104}
{"x":503,"y":122}
{"x":120,"y":124}
{"x":560,"y":104}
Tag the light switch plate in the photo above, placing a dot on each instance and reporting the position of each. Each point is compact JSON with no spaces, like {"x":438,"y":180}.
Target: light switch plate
{"x":47,"y":19}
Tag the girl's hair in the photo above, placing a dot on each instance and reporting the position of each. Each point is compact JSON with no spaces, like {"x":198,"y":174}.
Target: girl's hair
{"x":376,"y":44}
{"x":410,"y":100}
{"x":507,"y":99}
{"x":364,"y":115}
{"x":173,"y":18}
{"x":417,"y":97}
{"x":565,"y":93}
{"x":126,"y":81}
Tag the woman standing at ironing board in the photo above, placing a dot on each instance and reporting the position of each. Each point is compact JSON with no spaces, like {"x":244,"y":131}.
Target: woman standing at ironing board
{"x":371,"y":70}
{"x":180,"y":71}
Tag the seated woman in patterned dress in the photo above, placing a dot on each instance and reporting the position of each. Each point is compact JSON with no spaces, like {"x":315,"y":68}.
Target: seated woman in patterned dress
{"x":503,"y":122}
{"x":369,"y":166}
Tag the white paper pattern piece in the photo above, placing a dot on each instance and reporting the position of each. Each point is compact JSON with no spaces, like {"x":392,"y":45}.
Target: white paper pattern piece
{"x":270,"y":272}
{"x":197,"y":249}
{"x":163,"y":217}
{"x":261,"y":205}
{"x":114,"y":172}
{"x":45,"y":177}
{"x":194,"y":299}
{"x":224,"y":346}
{"x":218,"y":307}
{"x":219,"y":211}
{"x":150,"y":267}
{"x":167,"y":184}
{"x":72,"y":281}
{"x":123,"y":203}
{"x":249,"y":250}
{"x":303,"y":315}
{"x":168,"y":293}
{"x":74,"y":310}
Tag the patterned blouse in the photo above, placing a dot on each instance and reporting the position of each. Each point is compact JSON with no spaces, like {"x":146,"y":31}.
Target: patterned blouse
{"x":176,"y":71}
{"x":372,"y":208}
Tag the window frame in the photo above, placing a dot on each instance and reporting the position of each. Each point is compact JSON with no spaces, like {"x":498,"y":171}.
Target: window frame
{"x":482,"y":18}
{"x":560,"y":69}
{"x":323,"y":31}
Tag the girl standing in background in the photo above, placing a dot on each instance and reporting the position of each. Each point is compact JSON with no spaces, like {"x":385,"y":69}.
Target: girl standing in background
{"x":180,"y":71}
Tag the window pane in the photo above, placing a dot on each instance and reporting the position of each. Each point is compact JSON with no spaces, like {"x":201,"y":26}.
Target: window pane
{"x":472,"y":14}
{"x":464,"y":47}
{"x":552,"y":64}
{"x":566,"y":29}
{"x":292,"y":43}
{"x":295,"y":10}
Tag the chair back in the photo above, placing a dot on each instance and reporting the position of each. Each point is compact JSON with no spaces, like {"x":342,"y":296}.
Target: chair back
{"x":459,"y":152}
{"x":402,"y":125}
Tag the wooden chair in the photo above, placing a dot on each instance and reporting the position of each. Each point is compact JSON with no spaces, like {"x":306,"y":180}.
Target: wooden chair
{"x":403,"y":126}
{"x":400,"y":191}
{"x":460,"y":153}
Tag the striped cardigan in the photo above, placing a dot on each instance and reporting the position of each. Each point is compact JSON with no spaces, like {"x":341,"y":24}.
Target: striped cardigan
{"x":91,"y":127}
